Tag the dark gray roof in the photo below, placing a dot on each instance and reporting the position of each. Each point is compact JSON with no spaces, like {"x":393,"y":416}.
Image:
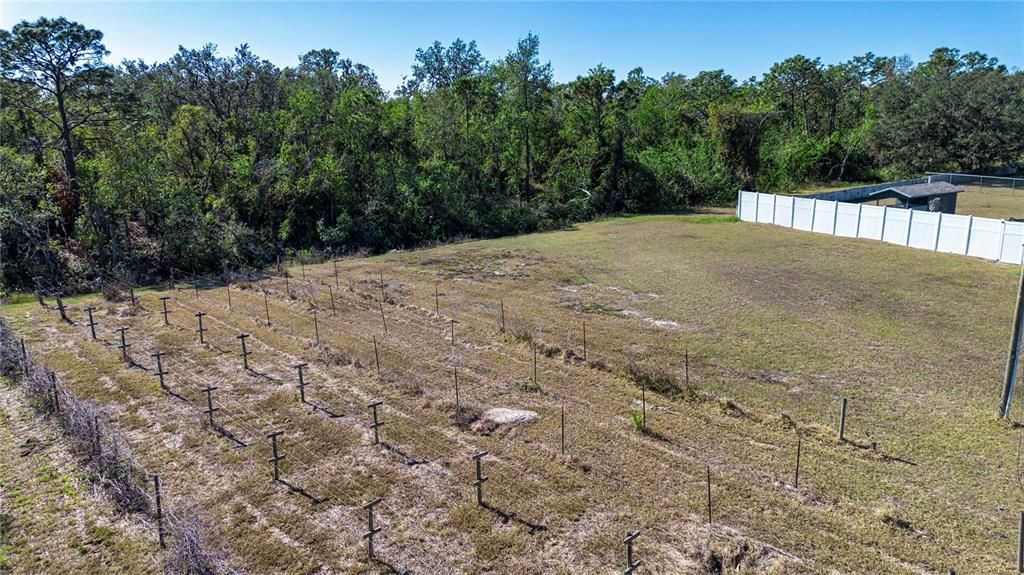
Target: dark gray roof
{"x":923,"y":190}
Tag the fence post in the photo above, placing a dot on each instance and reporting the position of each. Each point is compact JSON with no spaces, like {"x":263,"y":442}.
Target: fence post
{"x":382,"y":319}
{"x":631,"y":566}
{"x":376,"y":354}
{"x":276,"y":458}
{"x":60,"y":308}
{"x":910,"y":225}
{"x":502,"y":303}
{"x":201,"y":330}
{"x":376,"y":422}
{"x":336,"y":274}
{"x":796,"y":477}
{"x":24,"y":357}
{"x":480,"y":478}
{"x":584,"y":341}
{"x":302,"y":382}
{"x":709,"y":496}
{"x":160,"y":373}
{"x":437,"y":305}
{"x":266,"y":304}
{"x":159,"y":512}
{"x":92,"y":324}
{"x":245,"y":351}
{"x":563,"y":429}
{"x":842,"y":421}
{"x":124,"y":346}
{"x":1020,"y":544}
{"x":163,"y":301}
{"x":370,"y":529}
{"x":1002,"y":238}
{"x":209,"y":404}
{"x":967,"y":240}
{"x":458,"y":403}
{"x":316,"y":329}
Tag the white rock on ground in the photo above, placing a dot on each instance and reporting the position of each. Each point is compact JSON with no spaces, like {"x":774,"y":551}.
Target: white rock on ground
{"x":505,"y":416}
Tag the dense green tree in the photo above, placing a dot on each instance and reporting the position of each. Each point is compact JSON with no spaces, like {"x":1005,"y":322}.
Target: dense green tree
{"x":209,"y":161}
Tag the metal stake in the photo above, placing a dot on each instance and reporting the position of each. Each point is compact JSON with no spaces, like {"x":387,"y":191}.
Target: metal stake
{"x":316,"y":328}
{"x":709,"y":495}
{"x":159,"y":512}
{"x":245,"y":352}
{"x":796,"y":477}
{"x":480,"y":479}
{"x":160,"y":368}
{"x":92,"y":324}
{"x":209,"y":404}
{"x":302,"y":382}
{"x":124,"y":346}
{"x":631,"y":566}
{"x":266,"y":303}
{"x":563,"y":430}
{"x":201,"y":330}
{"x":163,"y":301}
{"x":842,"y":421}
{"x":334,"y":311}
{"x":376,"y":422}
{"x":384,"y":321}
{"x":370,"y":529}
{"x":276,"y":458}
{"x":376,"y":355}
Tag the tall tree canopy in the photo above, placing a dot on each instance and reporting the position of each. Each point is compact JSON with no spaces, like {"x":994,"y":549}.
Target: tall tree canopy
{"x":212,"y":160}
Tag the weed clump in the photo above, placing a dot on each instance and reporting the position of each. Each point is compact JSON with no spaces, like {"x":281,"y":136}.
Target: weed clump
{"x":653,"y":376}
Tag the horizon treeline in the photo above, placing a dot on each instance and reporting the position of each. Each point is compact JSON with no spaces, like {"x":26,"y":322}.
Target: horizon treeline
{"x":210,"y":161}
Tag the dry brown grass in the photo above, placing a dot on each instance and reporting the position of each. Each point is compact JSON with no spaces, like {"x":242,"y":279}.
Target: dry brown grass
{"x":778,"y":324}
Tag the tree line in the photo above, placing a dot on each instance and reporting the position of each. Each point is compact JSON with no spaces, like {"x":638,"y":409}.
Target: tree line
{"x":208,"y":161}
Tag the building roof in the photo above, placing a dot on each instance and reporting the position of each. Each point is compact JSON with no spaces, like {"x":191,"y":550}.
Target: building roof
{"x":915,"y":191}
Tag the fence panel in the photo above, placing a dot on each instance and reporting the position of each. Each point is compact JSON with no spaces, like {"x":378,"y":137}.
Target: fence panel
{"x":824,"y":216}
{"x":953,"y":234}
{"x":984,"y":241}
{"x":803,"y":213}
{"x":1013,"y":238}
{"x":871,"y":218}
{"x":925,"y":230}
{"x":784,"y":211}
{"x":979,"y":237}
{"x":765,"y":207}
{"x":896,"y":225}
{"x":847,"y":218}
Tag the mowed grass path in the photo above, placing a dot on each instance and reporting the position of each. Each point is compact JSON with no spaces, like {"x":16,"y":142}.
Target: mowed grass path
{"x":778,"y":324}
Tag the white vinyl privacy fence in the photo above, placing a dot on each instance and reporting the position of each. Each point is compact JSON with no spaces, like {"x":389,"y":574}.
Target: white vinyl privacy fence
{"x":997,"y":240}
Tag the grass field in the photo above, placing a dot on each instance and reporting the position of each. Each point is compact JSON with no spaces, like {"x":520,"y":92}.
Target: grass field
{"x":998,"y":203}
{"x":777,"y":326}
{"x":51,"y":520}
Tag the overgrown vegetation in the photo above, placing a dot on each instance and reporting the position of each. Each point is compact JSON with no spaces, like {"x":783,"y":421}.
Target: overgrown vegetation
{"x":209,"y":160}
{"x":110,"y":463}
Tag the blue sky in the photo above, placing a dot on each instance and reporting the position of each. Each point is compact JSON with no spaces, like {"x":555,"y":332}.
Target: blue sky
{"x":742,"y":38}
